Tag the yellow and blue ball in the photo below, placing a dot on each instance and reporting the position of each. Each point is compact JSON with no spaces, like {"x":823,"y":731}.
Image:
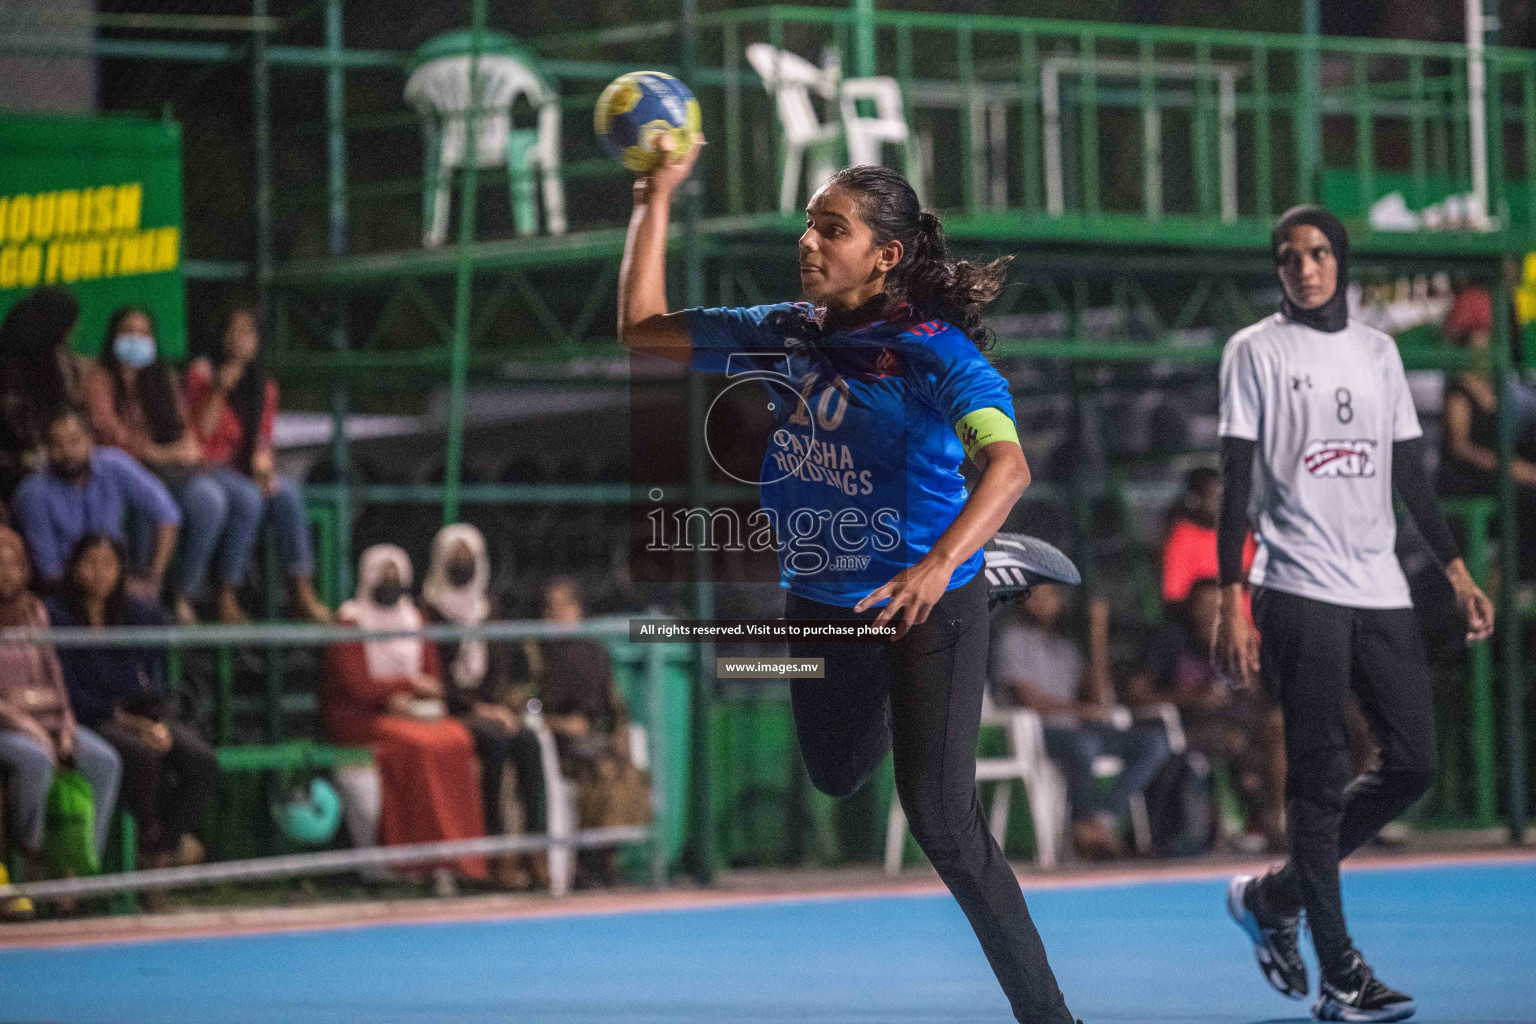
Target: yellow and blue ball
{"x":637,"y":110}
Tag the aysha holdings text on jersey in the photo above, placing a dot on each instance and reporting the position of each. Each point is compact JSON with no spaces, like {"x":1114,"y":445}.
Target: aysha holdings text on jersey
{"x":821,"y":462}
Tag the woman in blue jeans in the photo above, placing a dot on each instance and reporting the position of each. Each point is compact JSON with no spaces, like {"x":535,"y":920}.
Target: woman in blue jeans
{"x":136,"y":405}
{"x":233,"y":405}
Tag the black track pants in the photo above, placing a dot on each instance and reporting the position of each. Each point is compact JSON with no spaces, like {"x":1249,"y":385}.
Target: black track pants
{"x":922,"y":696}
{"x":1313,"y":654}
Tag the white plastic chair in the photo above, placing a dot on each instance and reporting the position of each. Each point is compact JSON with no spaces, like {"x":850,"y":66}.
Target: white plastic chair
{"x":439,"y":90}
{"x":1026,"y":762}
{"x":866,"y":135}
{"x":560,"y":798}
{"x":790,"y":79}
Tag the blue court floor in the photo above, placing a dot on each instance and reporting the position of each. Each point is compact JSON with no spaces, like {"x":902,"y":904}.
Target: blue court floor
{"x":1462,"y":939}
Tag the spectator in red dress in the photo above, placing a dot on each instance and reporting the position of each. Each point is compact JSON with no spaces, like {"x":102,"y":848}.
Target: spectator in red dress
{"x":388,"y":694}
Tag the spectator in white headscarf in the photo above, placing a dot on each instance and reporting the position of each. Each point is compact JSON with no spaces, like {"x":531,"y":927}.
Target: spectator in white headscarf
{"x":479,"y":688}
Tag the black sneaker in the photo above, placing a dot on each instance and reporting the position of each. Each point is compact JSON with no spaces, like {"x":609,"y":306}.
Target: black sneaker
{"x":1353,"y":993}
{"x":1274,"y":939}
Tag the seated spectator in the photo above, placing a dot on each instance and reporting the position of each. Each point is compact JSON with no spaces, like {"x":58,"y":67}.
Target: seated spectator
{"x":85,"y":489}
{"x":136,"y":406}
{"x":1189,"y":547}
{"x":1227,"y":723}
{"x":233,"y":403}
{"x":573,"y":677}
{"x":170,"y":773}
{"x":1034,"y":666}
{"x":38,"y":730}
{"x":38,"y":374}
{"x":479,"y":688}
{"x":388,"y":694}
{"x":1469,"y":424}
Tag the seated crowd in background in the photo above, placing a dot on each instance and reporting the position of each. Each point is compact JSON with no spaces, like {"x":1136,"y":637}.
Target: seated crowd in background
{"x":446,"y":723}
{"x":170,"y":773}
{"x":1227,"y":727}
{"x":40,"y":730}
{"x":112,"y":467}
{"x":1469,"y":423}
{"x":117,"y":444}
{"x":1034,"y":666}
{"x":1225,"y":722}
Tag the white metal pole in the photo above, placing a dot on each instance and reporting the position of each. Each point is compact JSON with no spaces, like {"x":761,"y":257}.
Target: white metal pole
{"x":1477,"y":120}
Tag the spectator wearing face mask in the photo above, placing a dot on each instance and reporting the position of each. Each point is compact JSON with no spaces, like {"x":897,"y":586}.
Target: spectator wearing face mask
{"x":136,"y":405}
{"x":83,"y":488}
{"x":479,"y":689}
{"x":388,"y":694}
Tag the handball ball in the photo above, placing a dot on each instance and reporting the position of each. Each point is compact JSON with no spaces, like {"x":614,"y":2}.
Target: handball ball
{"x":637,"y":110}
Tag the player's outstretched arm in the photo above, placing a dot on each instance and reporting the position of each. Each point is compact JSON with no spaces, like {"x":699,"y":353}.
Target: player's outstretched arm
{"x":645,"y":325}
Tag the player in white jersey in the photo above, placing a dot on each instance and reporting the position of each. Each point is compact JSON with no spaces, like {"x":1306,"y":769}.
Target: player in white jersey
{"x":1318,"y":429}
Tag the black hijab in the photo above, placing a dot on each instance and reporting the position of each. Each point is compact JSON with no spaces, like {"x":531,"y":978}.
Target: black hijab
{"x":1332,"y":315}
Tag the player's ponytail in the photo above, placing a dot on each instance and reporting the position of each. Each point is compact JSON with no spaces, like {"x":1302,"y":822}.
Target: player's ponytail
{"x":937,"y":288}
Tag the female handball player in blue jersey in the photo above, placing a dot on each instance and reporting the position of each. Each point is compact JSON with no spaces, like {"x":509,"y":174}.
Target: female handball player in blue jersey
{"x":888,"y":391}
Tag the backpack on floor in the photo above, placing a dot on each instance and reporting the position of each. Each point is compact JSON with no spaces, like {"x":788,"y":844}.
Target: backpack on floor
{"x":1181,"y":807}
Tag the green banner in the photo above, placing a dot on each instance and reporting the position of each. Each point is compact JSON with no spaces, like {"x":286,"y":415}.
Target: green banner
{"x":93,"y":204}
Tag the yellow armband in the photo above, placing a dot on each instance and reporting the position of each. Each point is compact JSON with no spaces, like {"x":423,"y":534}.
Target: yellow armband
{"x":981,"y":427}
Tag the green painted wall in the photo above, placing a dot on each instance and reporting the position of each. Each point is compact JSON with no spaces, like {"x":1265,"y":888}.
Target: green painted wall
{"x":94,"y":204}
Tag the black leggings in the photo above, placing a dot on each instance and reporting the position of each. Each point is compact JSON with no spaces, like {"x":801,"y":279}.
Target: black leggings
{"x":1313,"y":654}
{"x":167,"y":793}
{"x":922,"y":696}
{"x":496,"y":746}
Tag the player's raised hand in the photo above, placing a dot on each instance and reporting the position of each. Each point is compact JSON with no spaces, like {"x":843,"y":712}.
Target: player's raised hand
{"x":664,"y":180}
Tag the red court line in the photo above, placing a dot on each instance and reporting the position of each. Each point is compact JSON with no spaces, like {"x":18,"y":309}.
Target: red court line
{"x":336,"y":917}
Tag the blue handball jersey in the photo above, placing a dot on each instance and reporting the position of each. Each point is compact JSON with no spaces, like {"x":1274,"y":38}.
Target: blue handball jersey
{"x":857,"y":486}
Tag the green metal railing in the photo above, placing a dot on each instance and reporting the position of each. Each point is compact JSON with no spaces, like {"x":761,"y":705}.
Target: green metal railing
{"x":645,"y":671}
{"x":1034,"y":118}
{"x":1103,"y":120}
